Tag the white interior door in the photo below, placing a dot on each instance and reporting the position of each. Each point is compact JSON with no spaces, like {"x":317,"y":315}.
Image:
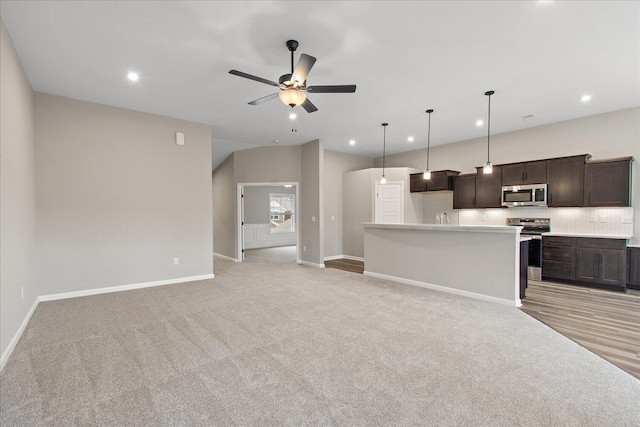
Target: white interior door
{"x":389,"y":203}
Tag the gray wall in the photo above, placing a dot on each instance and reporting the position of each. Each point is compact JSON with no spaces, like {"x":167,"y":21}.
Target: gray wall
{"x":614,"y":134}
{"x":358,"y":208}
{"x":359,"y":201}
{"x":256,"y":202}
{"x":117,"y":198}
{"x":311,"y":190}
{"x":254,"y":165}
{"x":335,"y":166}
{"x":268,"y":164}
{"x":224,"y":208}
{"x":17,"y":186}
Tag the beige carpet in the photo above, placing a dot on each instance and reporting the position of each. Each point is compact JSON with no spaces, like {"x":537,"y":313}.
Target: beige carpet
{"x":268,"y":342}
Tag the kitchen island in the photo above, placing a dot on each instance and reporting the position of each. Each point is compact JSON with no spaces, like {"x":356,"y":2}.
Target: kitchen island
{"x":476,"y":261}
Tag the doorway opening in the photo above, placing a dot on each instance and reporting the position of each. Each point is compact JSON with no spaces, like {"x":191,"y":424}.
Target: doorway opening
{"x":268,"y":227}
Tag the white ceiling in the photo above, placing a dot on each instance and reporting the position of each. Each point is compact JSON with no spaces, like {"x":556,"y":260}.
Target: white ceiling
{"x":404,"y":57}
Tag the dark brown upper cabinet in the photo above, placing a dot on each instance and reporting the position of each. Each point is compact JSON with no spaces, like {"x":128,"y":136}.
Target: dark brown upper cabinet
{"x":440,"y":181}
{"x":464,"y":192}
{"x":565,"y":179}
{"x":608,"y":182}
{"x":525,"y":173}
{"x":489,"y":188}
{"x":417,"y":183}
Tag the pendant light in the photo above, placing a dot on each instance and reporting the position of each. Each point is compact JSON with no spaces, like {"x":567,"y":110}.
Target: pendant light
{"x":383,"y":180}
{"x":488,"y":167}
{"x":427,"y":171}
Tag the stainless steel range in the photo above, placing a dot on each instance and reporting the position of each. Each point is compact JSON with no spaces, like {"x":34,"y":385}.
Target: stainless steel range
{"x":533,"y":227}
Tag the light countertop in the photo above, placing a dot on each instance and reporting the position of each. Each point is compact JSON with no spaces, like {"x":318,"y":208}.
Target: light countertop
{"x":593,"y":236}
{"x":448,"y":228}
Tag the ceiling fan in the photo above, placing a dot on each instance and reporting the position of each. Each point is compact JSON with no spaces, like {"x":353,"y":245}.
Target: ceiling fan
{"x":293,"y":89}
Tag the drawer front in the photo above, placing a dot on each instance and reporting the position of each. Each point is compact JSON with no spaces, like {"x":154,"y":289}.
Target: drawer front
{"x":558,"y":270}
{"x":619,"y":244}
{"x":558,"y":241}
{"x":558,"y":253}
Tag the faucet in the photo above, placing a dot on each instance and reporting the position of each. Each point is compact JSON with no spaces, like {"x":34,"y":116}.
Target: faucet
{"x":444,"y":216}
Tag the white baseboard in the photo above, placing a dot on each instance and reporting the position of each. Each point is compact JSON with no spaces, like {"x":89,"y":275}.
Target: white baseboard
{"x":454,"y":291}
{"x":110,"y":289}
{"x":18,"y":334}
{"x":225,"y":257}
{"x":311,"y":264}
{"x":353,"y":258}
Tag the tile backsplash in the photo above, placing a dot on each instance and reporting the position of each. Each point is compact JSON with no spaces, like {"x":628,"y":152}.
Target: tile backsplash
{"x":605,"y":221}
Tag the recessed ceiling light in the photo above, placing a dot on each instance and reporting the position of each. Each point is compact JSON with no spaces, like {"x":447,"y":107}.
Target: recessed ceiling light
{"x":528,"y":117}
{"x":585,"y":98}
{"x":275,"y":141}
{"x":479,"y":122}
{"x":410,"y":139}
{"x":292,"y":116}
{"x":352,"y":142}
{"x":133,"y":76}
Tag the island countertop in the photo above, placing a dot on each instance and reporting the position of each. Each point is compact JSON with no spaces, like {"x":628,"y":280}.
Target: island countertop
{"x":448,"y":228}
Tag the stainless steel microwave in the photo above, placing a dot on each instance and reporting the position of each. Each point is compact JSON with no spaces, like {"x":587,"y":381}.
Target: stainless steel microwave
{"x":524,"y":195}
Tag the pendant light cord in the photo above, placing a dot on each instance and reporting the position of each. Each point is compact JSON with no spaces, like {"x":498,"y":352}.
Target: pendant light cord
{"x":428,"y":137}
{"x":384,"y":145}
{"x":489,"y":124}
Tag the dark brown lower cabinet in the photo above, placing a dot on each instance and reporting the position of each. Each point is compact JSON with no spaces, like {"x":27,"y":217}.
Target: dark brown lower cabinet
{"x":558,"y":258}
{"x":585,"y":261}
{"x":524,"y":267}
{"x":633,"y":267}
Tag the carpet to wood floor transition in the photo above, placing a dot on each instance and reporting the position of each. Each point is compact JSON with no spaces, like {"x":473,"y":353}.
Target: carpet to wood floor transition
{"x":269,"y":342}
{"x":602,"y":321}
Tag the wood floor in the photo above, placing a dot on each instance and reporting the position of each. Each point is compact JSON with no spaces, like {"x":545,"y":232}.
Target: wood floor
{"x":346,"y":265}
{"x":604,"y":322}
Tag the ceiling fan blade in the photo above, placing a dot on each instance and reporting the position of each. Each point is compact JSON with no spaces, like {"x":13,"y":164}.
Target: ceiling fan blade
{"x":264,"y":99}
{"x":250,"y":77}
{"x":304,"y":65}
{"x":308,"y":106}
{"x":332,"y":89}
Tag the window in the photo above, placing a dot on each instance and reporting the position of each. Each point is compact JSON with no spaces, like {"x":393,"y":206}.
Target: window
{"x":281,"y":212}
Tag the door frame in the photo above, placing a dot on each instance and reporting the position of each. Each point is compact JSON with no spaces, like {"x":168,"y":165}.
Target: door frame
{"x":240,"y":215}
{"x":375,"y":199}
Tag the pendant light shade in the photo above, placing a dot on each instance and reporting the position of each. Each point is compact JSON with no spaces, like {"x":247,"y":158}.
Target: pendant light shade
{"x":427,"y":171}
{"x":488,"y":167}
{"x":383,"y":179}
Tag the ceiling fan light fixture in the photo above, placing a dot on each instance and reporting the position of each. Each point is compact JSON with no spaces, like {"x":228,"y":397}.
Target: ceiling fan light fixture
{"x":292,"y":97}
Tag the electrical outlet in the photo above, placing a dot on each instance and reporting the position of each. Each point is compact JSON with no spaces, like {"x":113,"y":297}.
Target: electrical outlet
{"x":603,"y":218}
{"x":313,"y":219}
{"x":627,"y":220}
{"x":22,"y":292}
{"x":304,"y":249}
{"x":176,"y":261}
{"x":333,"y":218}
{"x":437,"y":218}
{"x":594,"y":218}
